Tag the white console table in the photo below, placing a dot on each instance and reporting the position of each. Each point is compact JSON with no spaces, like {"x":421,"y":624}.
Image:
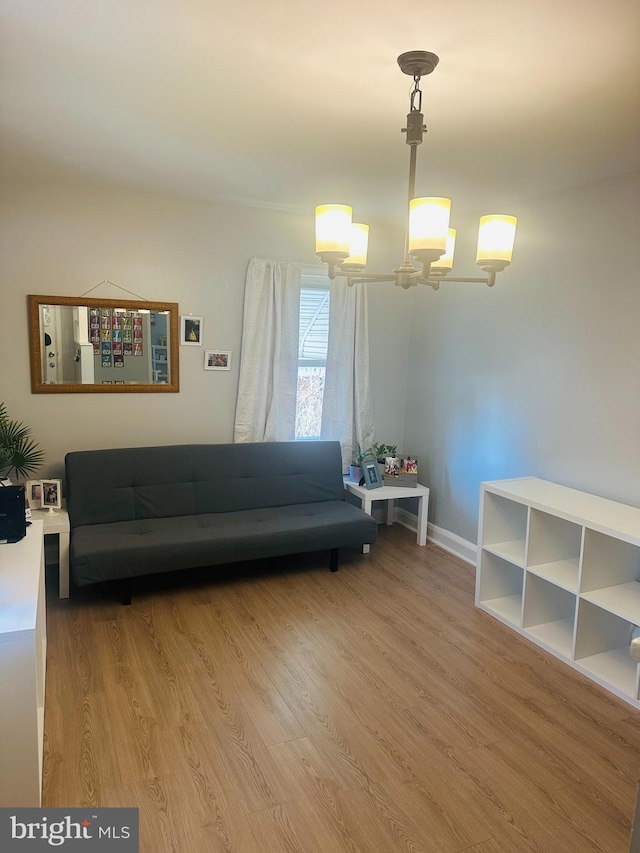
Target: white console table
{"x":389,"y":494}
{"x":23,"y":648}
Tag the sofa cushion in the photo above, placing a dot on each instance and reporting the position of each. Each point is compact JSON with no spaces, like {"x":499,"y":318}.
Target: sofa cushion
{"x":144,"y":546}
{"x":159,"y":482}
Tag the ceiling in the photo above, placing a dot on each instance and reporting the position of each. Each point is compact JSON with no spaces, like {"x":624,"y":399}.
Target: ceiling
{"x":298,"y":102}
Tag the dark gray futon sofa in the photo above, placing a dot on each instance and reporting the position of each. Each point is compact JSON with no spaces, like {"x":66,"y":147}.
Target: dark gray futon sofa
{"x":139,"y":511}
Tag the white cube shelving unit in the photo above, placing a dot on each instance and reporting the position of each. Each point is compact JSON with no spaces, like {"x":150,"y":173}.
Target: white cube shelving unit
{"x":562,"y":568}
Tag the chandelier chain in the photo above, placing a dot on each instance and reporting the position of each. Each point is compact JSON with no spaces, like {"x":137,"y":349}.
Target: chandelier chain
{"x":416,"y":92}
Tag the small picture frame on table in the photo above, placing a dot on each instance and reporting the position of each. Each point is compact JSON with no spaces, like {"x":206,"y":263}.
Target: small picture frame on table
{"x":371,"y":474}
{"x":191,"y":331}
{"x":51,"y":495}
{"x":34,"y":494}
{"x":215,"y":359}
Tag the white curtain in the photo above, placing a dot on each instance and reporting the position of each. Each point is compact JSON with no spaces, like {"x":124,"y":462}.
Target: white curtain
{"x":266,"y":407}
{"x":347,"y":411}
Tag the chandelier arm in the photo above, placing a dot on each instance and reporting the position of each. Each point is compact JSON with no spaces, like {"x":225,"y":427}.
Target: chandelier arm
{"x":489,"y":281}
{"x":352,"y":278}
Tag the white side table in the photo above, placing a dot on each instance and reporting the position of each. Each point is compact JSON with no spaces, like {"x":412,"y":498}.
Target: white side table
{"x":58,"y":523}
{"x":389,"y":494}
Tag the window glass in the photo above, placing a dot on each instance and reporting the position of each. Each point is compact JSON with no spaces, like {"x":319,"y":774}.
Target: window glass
{"x":312,"y":356}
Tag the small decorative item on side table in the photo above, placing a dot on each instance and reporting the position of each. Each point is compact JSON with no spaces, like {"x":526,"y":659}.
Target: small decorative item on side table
{"x":401,"y":471}
{"x":371,"y":473}
{"x":381,"y":451}
{"x":51,"y":495}
{"x":34,"y":494}
{"x":13,"y":525}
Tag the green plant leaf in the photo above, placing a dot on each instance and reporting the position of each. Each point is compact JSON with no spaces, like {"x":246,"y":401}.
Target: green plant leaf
{"x":12,"y":432}
{"x":19,"y":453}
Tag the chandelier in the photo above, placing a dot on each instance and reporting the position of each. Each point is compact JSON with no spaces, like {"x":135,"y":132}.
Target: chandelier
{"x":430,"y":243}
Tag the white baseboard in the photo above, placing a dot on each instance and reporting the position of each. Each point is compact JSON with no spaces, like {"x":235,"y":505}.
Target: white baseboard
{"x":451,"y":542}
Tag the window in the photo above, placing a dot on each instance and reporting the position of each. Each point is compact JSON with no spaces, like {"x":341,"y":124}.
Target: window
{"x":312,"y":355}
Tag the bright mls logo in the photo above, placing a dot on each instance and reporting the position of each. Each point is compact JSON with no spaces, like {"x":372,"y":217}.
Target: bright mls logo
{"x":70,"y":829}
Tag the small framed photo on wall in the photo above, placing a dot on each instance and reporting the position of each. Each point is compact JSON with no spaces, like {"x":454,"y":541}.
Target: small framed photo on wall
{"x":34,"y":494}
{"x":215,"y":359}
{"x":191,"y":331}
{"x":51,"y":493}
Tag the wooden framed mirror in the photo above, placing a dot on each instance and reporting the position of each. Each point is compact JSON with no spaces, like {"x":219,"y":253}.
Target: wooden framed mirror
{"x":81,"y":345}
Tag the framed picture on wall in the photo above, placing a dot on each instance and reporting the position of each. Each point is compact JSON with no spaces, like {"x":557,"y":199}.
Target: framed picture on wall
{"x":191,"y":331}
{"x":215,"y":359}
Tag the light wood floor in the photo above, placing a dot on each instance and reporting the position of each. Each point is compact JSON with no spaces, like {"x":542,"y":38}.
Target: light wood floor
{"x":298,"y":711}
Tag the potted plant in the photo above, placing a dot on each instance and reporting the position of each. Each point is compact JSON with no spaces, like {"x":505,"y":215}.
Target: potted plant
{"x":359,"y":455}
{"x":376,"y":451}
{"x":19,"y":454}
{"x":381,"y":451}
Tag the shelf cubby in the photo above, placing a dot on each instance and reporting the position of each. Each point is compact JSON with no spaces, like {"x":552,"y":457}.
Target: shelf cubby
{"x":505,"y":528}
{"x":622,"y":599}
{"x":549,"y":614}
{"x":554,"y":549}
{"x":611,"y":575}
{"x":602,"y":648}
{"x":501,"y":586}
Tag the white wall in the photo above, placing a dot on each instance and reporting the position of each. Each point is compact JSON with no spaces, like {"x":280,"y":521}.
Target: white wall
{"x":538,"y":376}
{"x":62,"y":241}
{"x":541,"y":374}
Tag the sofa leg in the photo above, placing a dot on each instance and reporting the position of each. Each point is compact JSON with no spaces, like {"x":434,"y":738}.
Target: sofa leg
{"x":125,"y":595}
{"x":333,"y":560}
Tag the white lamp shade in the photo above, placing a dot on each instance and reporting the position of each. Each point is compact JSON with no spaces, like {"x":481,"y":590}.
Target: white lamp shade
{"x":445,"y":262}
{"x":358,"y":245}
{"x":333,"y":228}
{"x":428,"y":224}
{"x":496,"y":236}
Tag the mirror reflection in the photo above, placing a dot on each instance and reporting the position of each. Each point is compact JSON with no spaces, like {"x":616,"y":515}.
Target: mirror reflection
{"x":103,"y":345}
